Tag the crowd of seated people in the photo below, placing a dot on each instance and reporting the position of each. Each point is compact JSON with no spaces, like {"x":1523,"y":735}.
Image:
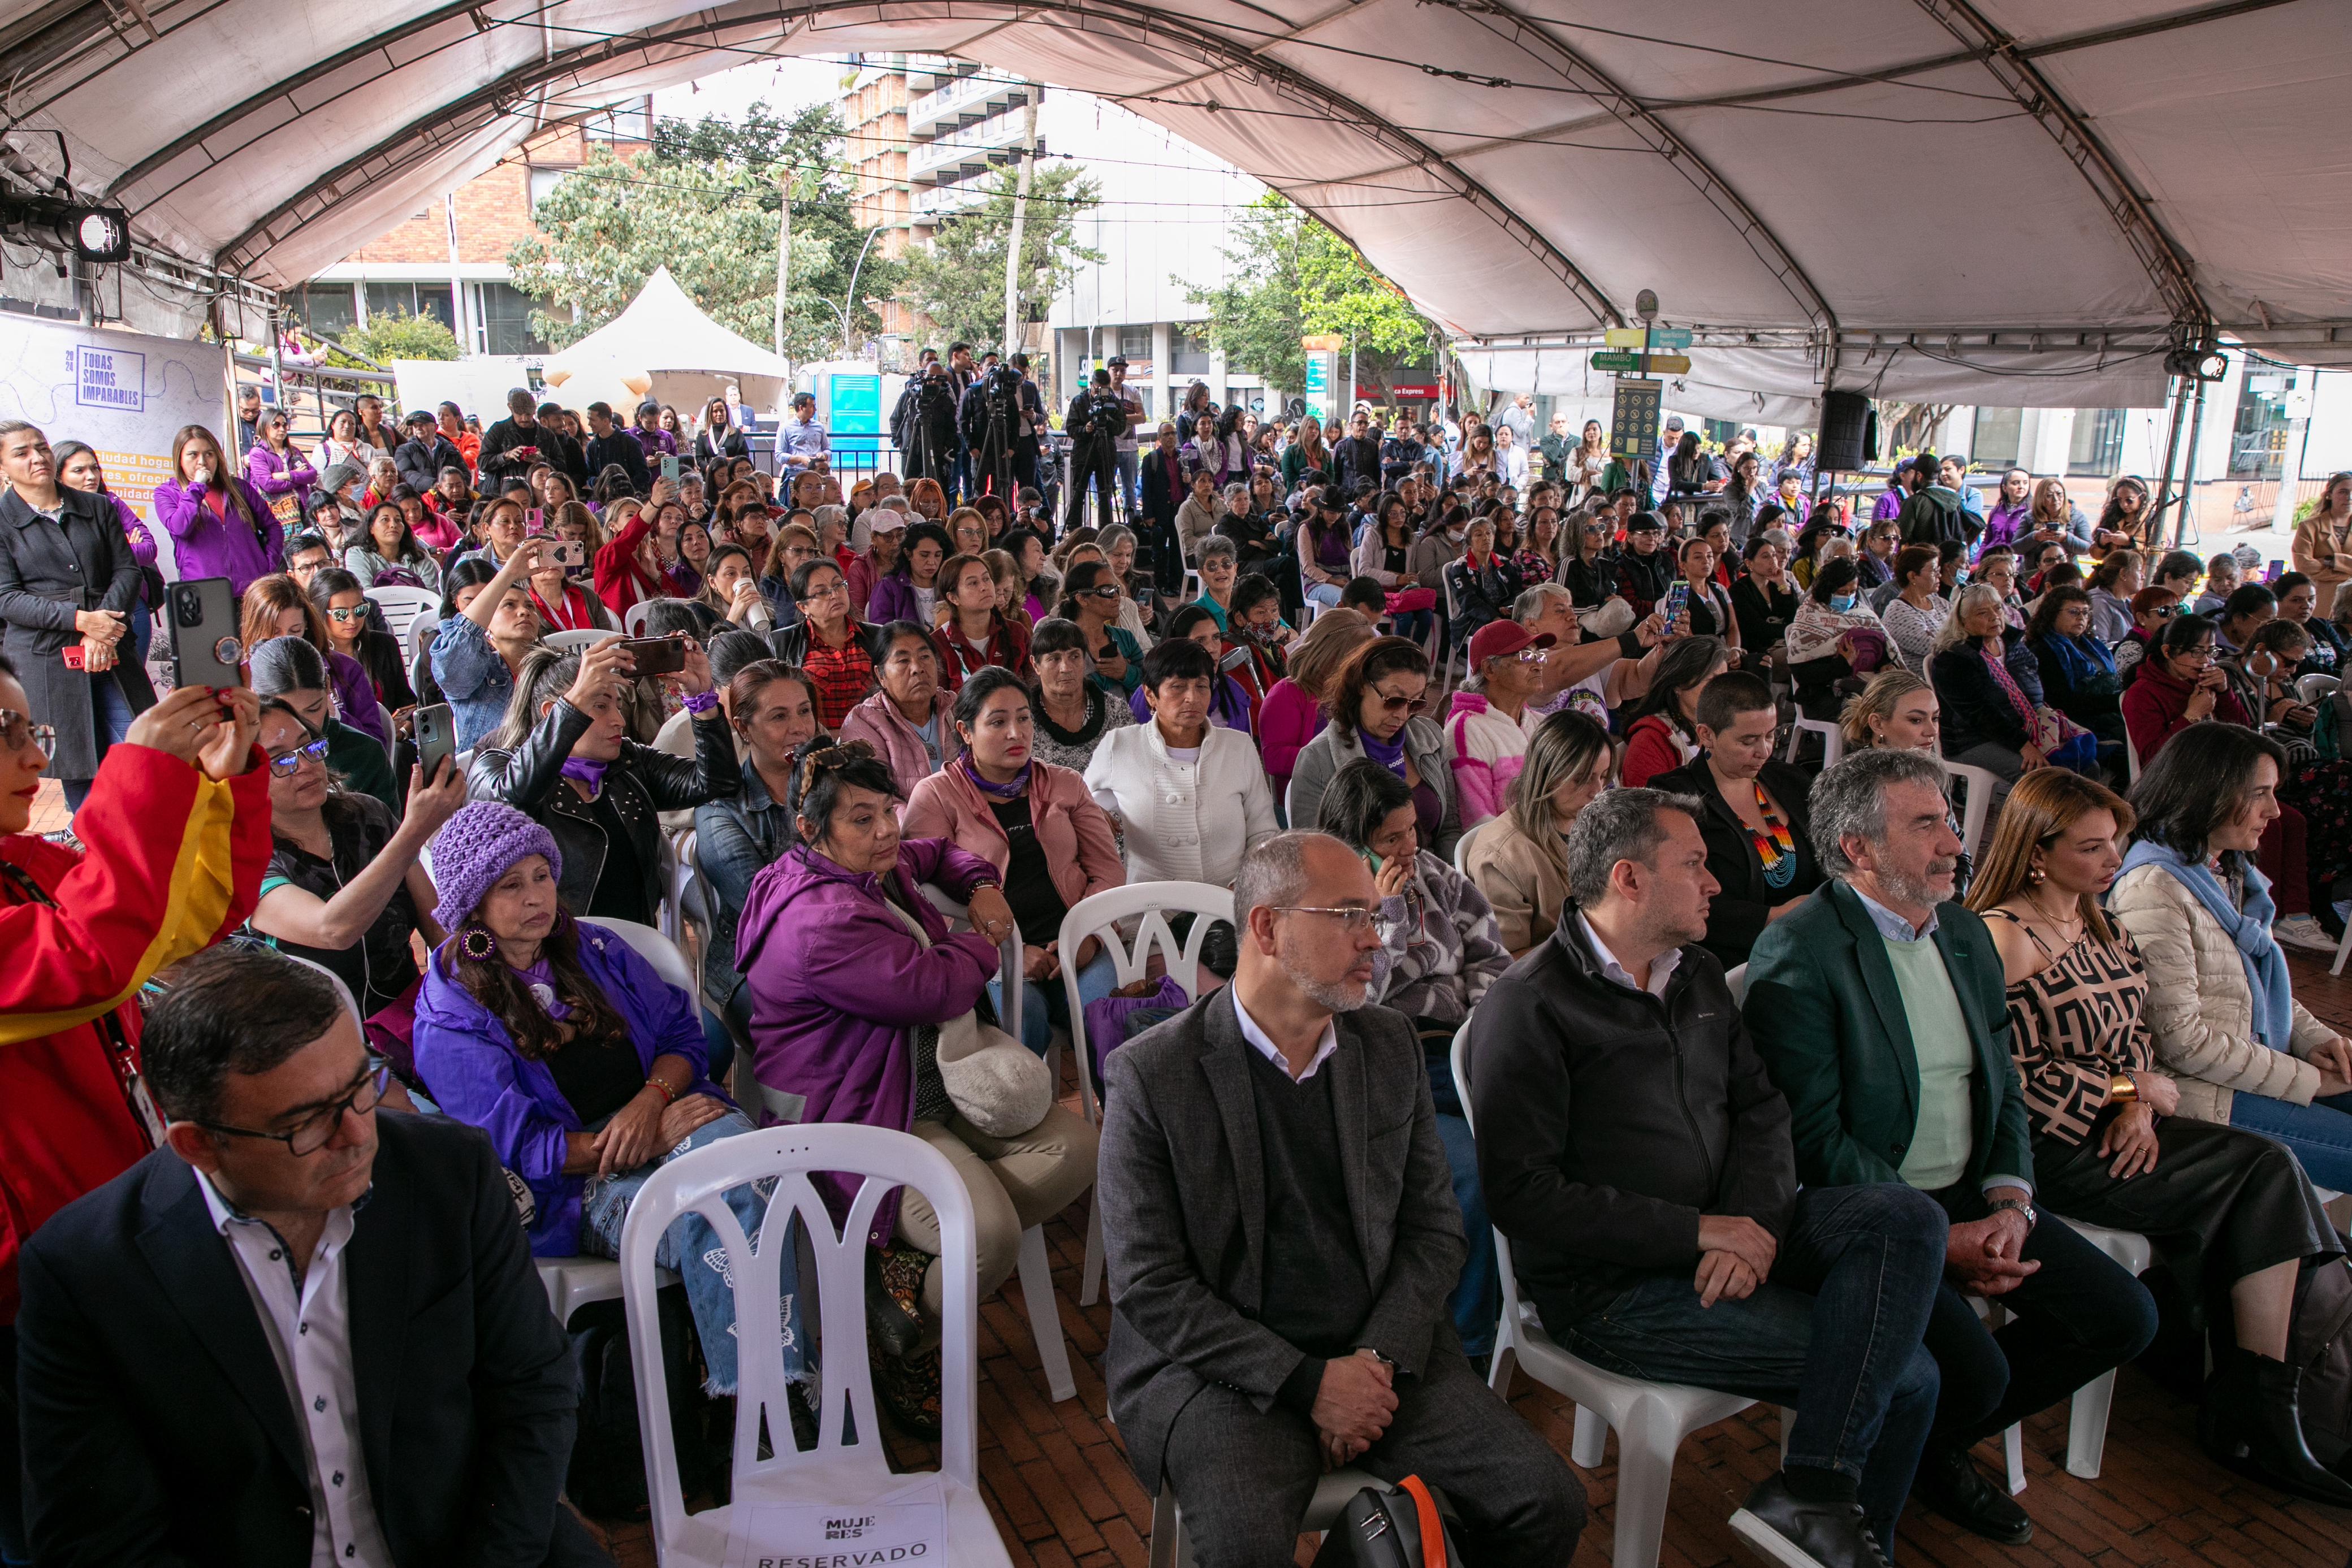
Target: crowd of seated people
{"x":1553,"y":801}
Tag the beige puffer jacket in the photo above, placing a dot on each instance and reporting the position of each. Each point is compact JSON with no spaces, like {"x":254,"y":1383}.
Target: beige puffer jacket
{"x":2199,"y":1006}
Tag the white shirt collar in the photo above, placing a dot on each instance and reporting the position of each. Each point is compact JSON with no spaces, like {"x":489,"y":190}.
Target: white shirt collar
{"x":1273,"y":1053}
{"x":1662,"y":968}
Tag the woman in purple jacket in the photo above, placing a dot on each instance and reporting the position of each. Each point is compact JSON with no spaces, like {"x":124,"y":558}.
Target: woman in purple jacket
{"x":910,"y":590}
{"x":585,"y":1068}
{"x":275,"y":467}
{"x":220,"y":525}
{"x":852,"y":972}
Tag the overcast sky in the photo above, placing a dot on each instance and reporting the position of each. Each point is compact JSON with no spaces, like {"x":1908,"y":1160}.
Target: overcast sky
{"x":786,"y":85}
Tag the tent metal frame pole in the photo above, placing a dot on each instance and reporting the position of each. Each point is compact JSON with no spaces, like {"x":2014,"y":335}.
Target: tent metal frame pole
{"x":2188,"y":468}
{"x":2172,"y":445}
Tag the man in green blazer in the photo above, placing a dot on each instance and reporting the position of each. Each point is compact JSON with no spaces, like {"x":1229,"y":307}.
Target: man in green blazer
{"x":1877,"y":1005}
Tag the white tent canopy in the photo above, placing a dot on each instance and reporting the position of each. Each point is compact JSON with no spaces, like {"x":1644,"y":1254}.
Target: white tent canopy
{"x":2017,"y":200}
{"x":664,"y":347}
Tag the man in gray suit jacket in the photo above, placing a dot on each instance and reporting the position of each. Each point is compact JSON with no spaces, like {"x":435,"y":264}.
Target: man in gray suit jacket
{"x":1281,"y":1236}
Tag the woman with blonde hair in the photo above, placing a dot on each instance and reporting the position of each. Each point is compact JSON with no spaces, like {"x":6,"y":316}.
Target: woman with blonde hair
{"x":2322,"y":550}
{"x":1292,"y":714}
{"x":929,"y":501}
{"x":1897,"y":710}
{"x":2230,"y":1212}
{"x":1519,"y":860}
{"x":2057,"y":518}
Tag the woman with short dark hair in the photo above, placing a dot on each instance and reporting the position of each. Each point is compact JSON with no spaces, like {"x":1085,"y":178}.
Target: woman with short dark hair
{"x":1072,"y":712}
{"x":1189,"y":797}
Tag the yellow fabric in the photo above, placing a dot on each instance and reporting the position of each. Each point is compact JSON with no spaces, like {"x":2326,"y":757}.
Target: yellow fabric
{"x":202,"y":884}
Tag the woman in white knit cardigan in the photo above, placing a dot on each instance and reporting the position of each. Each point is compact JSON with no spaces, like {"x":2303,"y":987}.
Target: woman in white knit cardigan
{"x":1189,"y":797}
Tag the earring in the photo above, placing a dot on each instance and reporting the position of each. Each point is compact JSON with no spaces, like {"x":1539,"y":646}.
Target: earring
{"x":2039,"y":876}
{"x":475,"y":943}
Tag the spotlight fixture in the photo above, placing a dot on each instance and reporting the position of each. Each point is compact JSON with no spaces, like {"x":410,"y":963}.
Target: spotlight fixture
{"x":2198,"y":360}
{"x":94,"y":233}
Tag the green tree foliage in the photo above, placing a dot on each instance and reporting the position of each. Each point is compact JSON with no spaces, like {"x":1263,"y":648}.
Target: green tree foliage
{"x":1293,"y":276}
{"x":391,"y":335}
{"x":959,"y":282}
{"x":703,"y":202}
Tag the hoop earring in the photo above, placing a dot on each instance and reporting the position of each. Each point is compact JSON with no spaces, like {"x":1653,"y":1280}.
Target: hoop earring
{"x":477,"y":944}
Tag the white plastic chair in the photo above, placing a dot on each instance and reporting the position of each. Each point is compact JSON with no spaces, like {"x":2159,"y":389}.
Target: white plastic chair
{"x":572,"y":1283}
{"x":2087,"y":1416}
{"x":1652,"y":1418}
{"x":1980,"y":784}
{"x":391,"y":737}
{"x":1736,"y":978}
{"x":1833,"y":738}
{"x":655,"y":948}
{"x":565,"y":642}
{"x":2343,"y":950}
{"x":1034,"y":1266}
{"x":1170,"y":1547}
{"x":836,"y":1473}
{"x":634,"y":621}
{"x":1455,"y":629}
{"x":1462,"y":845}
{"x":2315,"y":688}
{"x":403,"y":607}
{"x":1099,"y":915}
{"x":2131,"y":756}
{"x":421,"y":632}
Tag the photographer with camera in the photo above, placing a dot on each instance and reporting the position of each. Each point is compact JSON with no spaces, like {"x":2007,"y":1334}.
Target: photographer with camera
{"x":1000,"y":418}
{"x":1096,"y":419}
{"x":924,"y":425}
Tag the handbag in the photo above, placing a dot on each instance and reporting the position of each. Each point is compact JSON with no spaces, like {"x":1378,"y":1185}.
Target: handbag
{"x":1409,"y":1525}
{"x":997,"y":1083}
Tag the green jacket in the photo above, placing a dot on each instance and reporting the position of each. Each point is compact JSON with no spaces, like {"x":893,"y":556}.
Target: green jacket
{"x":1826,"y":1015}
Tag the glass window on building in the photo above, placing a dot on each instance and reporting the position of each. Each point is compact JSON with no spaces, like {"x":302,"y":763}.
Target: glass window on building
{"x":325,"y":309}
{"x":543,"y":182}
{"x":2098,"y":443}
{"x":1135,"y":342}
{"x":504,"y":312}
{"x":1998,"y":434}
{"x":2258,"y":440}
{"x":412,"y":299}
{"x":1188,"y":347}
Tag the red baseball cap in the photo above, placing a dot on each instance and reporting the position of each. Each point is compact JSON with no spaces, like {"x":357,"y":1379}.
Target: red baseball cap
{"x":1500,"y":638}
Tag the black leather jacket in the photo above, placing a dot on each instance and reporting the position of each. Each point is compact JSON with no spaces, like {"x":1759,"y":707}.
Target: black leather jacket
{"x":790,"y":645}
{"x":643,"y":783}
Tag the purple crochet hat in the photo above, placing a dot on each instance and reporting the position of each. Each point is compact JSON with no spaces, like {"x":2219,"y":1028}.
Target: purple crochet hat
{"x":476,"y":847}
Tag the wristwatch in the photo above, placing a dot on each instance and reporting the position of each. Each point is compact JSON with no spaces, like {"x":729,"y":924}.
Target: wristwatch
{"x":2019,"y":1204}
{"x":2123,"y":1089}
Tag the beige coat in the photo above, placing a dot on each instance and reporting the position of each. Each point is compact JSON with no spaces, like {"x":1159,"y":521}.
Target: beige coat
{"x":2318,"y":556}
{"x":1525,"y":886}
{"x":2199,"y":1006}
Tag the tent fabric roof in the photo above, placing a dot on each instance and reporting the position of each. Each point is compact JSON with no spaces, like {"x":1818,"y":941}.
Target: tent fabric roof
{"x":1893,"y":193}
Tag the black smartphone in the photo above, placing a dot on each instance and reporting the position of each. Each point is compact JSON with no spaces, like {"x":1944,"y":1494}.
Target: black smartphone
{"x":436,"y":738}
{"x":657,"y":655}
{"x":205,"y":651}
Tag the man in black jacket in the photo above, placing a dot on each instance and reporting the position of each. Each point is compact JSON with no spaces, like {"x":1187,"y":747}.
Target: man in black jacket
{"x":421,"y":458}
{"x":512,"y":445}
{"x":1356,"y":458}
{"x":1636,"y":1154}
{"x":610,"y":446}
{"x":305,"y":1331}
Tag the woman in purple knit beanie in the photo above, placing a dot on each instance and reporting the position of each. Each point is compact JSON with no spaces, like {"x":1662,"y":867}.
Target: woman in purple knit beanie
{"x":586,"y":1068}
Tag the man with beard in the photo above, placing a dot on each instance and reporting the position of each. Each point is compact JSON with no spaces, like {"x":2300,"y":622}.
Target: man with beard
{"x":1281,"y":1236}
{"x":1878,"y":1008}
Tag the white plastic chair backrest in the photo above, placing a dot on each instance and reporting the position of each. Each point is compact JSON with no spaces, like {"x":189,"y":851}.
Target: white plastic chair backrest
{"x":1009,"y":958}
{"x":698,"y":1182}
{"x":1149,"y":903}
{"x":1982,"y":784}
{"x":564,"y":641}
{"x":402,"y":606}
{"x":2311,"y":688}
{"x":391,"y":736}
{"x":1462,"y":845}
{"x":1290,"y":792}
{"x":421,"y":632}
{"x":2131,"y":755}
{"x":1461,"y":1060}
{"x":635,"y":620}
{"x":655,"y":949}
{"x":1737,"y":979}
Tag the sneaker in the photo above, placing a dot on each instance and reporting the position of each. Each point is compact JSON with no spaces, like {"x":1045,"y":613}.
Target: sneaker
{"x":1788,"y":1531}
{"x":2302,"y":931}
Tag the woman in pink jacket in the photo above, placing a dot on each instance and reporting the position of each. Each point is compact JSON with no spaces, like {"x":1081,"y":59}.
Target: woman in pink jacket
{"x":1040,"y":827}
{"x":907,"y":722}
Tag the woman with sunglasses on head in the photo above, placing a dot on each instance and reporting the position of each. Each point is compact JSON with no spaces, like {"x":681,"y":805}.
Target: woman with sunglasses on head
{"x":345,"y":887}
{"x":335,"y":594}
{"x":1377,"y":710}
{"x":173,"y":838}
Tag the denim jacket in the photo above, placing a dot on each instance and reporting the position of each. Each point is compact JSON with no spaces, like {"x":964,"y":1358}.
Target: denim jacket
{"x":474,"y":677}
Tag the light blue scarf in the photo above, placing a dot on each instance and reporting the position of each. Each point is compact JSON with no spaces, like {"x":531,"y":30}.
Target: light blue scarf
{"x":2257,"y":950}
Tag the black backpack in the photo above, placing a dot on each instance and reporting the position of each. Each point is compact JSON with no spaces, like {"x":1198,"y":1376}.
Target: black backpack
{"x":1409,"y":1525}
{"x":2321,"y":1344}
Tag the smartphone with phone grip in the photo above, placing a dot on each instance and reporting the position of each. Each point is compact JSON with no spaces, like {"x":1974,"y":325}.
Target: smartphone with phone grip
{"x":436,"y":738}
{"x":205,"y":648}
{"x":657,"y":655}
{"x":569,"y":554}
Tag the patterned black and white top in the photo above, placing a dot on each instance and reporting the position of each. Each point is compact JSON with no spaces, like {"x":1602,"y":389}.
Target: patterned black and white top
{"x":2074,"y":1024}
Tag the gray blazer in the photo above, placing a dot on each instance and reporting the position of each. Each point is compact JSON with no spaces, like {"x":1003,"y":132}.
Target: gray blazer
{"x":1183,"y":1185}
{"x":47,"y":572}
{"x":1424,"y":742}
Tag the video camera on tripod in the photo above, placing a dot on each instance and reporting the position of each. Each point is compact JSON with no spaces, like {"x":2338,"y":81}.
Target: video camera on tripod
{"x":1100,"y":413}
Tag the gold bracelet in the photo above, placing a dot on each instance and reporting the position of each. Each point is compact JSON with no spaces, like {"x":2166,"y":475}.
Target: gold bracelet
{"x":668,"y":1094}
{"x":2123,"y":1089}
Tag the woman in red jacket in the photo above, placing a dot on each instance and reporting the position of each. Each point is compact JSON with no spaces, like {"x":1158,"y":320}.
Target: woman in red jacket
{"x":177,"y":829}
{"x":1662,"y":733}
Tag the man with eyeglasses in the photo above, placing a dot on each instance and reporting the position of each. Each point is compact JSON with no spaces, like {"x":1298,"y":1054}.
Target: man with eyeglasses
{"x":1281,"y":1236}
{"x":306,"y":1330}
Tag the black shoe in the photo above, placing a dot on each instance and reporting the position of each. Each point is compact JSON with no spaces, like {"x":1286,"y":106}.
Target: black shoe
{"x":1798,"y":1534}
{"x":2252,"y":1423}
{"x":1950,"y":1482}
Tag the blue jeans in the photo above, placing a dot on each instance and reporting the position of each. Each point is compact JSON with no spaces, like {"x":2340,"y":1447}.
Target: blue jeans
{"x":1045,"y":1004}
{"x":1836,"y":1331}
{"x":111,"y":714}
{"x":1413,"y":624}
{"x":2320,"y":1133}
{"x":692,"y":1248}
{"x":1326,"y":594}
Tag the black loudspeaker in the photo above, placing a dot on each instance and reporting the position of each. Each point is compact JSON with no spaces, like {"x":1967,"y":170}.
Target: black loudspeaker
{"x":1849,"y":432}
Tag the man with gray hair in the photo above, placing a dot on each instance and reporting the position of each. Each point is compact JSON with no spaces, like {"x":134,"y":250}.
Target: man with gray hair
{"x":1879,"y":1007}
{"x":1634,"y":1150}
{"x":1282,"y":1235}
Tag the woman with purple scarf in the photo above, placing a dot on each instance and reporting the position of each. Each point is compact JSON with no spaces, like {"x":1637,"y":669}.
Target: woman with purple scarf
{"x":585,"y":1068}
{"x":853,"y":973}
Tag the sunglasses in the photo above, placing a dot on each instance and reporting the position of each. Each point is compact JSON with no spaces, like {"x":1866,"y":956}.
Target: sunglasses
{"x":285,"y":764}
{"x":1399,"y":704}
{"x":18,"y":731}
{"x":345,"y":617}
{"x":1107,"y":590}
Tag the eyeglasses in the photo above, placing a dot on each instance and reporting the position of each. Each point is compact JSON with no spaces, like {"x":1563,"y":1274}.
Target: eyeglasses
{"x":1395,"y":705}
{"x":18,"y":731}
{"x":285,"y":764}
{"x":1107,"y":590}
{"x":311,"y":1134}
{"x":828,"y":591}
{"x":1356,"y":922}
